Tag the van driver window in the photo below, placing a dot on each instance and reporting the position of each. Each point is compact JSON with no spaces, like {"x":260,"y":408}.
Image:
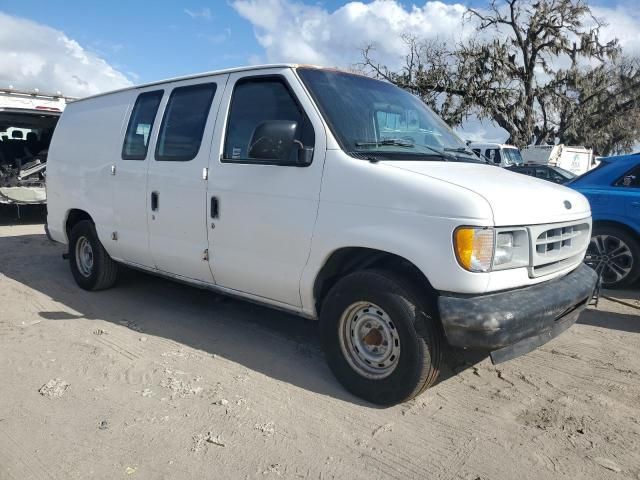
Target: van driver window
{"x":494,"y":155}
{"x":136,"y":140}
{"x":256,"y":101}
{"x":183,"y":123}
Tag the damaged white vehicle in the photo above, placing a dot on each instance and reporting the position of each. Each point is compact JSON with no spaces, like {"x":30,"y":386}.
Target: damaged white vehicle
{"x":27,"y":121}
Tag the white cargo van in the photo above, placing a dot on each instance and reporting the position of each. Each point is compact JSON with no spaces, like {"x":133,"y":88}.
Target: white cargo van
{"x":27,"y":121}
{"x":499,"y":154}
{"x":577,"y":160}
{"x":327,"y":194}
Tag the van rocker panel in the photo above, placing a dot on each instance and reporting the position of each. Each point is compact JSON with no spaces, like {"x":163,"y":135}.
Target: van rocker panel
{"x":517,"y":321}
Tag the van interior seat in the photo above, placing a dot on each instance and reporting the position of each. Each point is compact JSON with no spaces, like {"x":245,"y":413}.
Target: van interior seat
{"x":13,"y":151}
{"x":3,"y":157}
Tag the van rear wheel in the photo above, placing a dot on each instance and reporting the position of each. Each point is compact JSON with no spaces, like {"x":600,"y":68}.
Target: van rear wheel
{"x":91,"y":266}
{"x":380,"y":337}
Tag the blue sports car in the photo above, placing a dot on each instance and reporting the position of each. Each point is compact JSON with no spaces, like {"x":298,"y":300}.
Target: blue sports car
{"x":613,"y":190}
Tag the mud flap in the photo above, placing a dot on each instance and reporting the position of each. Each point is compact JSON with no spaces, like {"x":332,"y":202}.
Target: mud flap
{"x":596,"y":292}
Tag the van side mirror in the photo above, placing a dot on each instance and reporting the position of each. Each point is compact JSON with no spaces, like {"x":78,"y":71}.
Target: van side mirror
{"x":273,"y":140}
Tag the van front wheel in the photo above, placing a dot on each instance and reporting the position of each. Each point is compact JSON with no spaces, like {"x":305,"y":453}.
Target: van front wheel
{"x":380,"y":338}
{"x":91,"y":266}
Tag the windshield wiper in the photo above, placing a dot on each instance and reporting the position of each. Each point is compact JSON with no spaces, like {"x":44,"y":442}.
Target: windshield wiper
{"x":459,"y":150}
{"x":401,"y":142}
{"x":396,"y":142}
{"x":468,"y":152}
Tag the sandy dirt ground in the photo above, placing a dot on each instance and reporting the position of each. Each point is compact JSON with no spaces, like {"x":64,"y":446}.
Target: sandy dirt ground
{"x":153,"y":379}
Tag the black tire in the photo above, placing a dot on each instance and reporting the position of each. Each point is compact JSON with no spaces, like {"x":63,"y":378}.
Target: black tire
{"x":629,"y":262}
{"x":414,"y":319}
{"x":103,"y":271}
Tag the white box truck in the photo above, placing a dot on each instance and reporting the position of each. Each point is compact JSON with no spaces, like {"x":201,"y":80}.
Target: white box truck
{"x":577,"y":160}
{"x":327,"y":194}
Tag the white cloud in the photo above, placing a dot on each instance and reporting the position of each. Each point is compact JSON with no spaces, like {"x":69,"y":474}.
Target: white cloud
{"x":291,"y":31}
{"x":622,"y":23}
{"x":476,"y":130}
{"x":205,"y":13}
{"x":37,"y":56}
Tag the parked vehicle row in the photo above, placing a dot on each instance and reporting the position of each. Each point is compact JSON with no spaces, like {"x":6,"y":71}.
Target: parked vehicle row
{"x":614,"y":250}
{"x":544,"y":172}
{"x":577,"y":160}
{"x":331,"y":195}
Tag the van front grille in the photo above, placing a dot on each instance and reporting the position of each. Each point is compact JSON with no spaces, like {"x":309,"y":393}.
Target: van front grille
{"x":556,"y":246}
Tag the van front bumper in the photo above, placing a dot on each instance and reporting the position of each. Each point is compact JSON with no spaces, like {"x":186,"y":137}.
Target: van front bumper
{"x":515,"y":322}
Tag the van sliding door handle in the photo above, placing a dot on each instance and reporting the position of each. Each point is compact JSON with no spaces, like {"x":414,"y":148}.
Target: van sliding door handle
{"x":155,"y":201}
{"x":214,"y":207}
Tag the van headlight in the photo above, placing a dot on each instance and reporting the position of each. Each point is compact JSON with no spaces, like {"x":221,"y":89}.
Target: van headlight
{"x":474,"y":248}
{"x":504,"y":249}
{"x":482,"y":249}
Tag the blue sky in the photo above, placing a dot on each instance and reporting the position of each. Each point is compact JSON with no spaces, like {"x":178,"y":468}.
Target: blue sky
{"x":152,"y":40}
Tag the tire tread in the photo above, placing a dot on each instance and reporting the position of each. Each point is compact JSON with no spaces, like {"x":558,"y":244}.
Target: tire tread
{"x":106,"y":268}
{"x":424,"y":324}
{"x":634,"y":246}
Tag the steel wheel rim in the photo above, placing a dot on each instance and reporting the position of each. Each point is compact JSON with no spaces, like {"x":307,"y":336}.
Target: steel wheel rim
{"x":84,"y":256}
{"x":369,"y":340}
{"x":610,"y":257}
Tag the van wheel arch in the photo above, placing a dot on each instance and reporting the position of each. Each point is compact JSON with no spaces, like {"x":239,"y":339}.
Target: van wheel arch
{"x":347,"y":260}
{"x":75,"y":216}
{"x":615,"y":224}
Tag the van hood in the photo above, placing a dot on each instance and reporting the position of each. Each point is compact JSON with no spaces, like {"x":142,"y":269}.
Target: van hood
{"x":515,"y":199}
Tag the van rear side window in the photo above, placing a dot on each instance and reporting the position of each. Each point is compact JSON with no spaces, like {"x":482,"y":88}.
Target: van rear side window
{"x":183,"y":124}
{"x":136,"y":140}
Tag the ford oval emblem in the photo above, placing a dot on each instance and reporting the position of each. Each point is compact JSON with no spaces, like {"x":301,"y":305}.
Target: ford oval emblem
{"x":567,"y":204}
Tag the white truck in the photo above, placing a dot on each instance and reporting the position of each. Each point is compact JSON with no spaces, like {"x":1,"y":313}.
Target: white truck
{"x":577,"y":160}
{"x":327,"y":194}
{"x":499,"y":154}
{"x":27,"y":121}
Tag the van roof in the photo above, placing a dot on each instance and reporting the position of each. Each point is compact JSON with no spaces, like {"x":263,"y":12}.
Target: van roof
{"x":200,"y":75}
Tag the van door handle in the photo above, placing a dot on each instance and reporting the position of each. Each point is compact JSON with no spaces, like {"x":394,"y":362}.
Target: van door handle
{"x":214,"y":207}
{"x":155,"y":201}
{"x":635,"y":204}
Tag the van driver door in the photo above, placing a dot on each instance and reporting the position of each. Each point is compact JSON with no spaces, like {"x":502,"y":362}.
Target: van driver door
{"x":262,"y":210}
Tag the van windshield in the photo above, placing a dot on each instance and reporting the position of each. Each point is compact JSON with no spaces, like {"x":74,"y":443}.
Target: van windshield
{"x":512,"y":156}
{"x":373,"y":119}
